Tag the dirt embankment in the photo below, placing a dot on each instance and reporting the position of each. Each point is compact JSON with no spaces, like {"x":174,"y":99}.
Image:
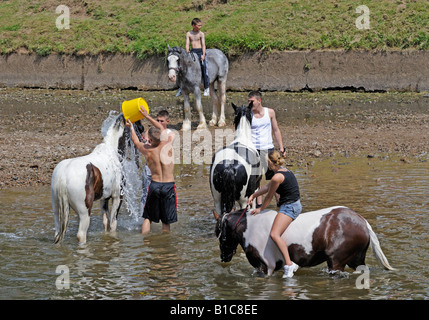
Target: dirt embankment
{"x":276,"y":71}
{"x":39,"y":128}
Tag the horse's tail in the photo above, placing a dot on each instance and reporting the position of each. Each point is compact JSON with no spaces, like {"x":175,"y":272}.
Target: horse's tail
{"x":228,"y":194}
{"x":376,"y":248}
{"x":63,"y":210}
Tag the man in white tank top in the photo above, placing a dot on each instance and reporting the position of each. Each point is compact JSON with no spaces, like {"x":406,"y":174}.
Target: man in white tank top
{"x":264,"y":126}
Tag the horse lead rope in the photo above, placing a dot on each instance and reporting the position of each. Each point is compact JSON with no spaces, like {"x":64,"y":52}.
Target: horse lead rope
{"x":235,"y":226}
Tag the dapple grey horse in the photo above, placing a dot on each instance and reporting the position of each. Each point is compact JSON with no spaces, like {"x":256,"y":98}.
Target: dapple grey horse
{"x":185,"y":69}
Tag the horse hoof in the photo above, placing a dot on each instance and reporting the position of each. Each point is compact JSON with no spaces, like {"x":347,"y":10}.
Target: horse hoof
{"x":186,"y":127}
{"x":212,"y":123}
{"x":221,"y":124}
{"x":202,"y":126}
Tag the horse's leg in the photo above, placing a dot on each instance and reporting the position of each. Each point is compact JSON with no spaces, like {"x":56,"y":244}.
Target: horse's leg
{"x":217,"y":202}
{"x":222,"y":95}
{"x":55,"y":207}
{"x":84,"y":219}
{"x":104,"y":210}
{"x":335,"y":265}
{"x":202,"y":124}
{"x":187,"y":111}
{"x":215,"y":102}
{"x":116,"y":203}
{"x":358,"y":259}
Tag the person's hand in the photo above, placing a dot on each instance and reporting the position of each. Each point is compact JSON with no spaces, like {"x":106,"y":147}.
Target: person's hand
{"x":143,"y":111}
{"x":256,"y":211}
{"x":250,"y":200}
{"x":128,"y":124}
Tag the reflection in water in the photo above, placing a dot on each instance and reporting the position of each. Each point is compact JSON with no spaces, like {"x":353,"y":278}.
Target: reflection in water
{"x":185,"y":264}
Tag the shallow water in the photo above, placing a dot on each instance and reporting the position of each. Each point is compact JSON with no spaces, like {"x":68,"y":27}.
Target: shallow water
{"x":185,"y":264}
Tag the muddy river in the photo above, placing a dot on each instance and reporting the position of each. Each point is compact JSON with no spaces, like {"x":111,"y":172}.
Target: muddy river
{"x":388,"y":186}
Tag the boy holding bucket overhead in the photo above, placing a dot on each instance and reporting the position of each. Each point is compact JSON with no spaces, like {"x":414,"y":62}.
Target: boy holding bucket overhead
{"x":161,"y":201}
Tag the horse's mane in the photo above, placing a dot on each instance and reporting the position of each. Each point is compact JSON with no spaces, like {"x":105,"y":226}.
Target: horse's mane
{"x":243,"y":111}
{"x":181,"y":52}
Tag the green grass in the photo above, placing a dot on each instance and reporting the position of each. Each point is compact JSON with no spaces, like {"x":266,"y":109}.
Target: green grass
{"x":145,"y":27}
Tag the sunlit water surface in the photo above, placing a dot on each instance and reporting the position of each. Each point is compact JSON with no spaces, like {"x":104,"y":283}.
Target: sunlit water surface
{"x":185,"y":264}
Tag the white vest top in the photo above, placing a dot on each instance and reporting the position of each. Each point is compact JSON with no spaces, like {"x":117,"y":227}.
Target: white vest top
{"x":261,"y":132}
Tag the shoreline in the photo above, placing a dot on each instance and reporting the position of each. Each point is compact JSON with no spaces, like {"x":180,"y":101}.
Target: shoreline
{"x":39,"y":128}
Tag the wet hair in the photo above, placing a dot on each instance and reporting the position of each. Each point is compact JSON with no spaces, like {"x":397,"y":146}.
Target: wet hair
{"x":276,"y":158}
{"x":164,"y":113}
{"x":195,"y":21}
{"x":155,"y":135}
{"x":256,"y":94}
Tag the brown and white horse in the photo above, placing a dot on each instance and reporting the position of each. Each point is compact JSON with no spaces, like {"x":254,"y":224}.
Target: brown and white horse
{"x":337,"y":235}
{"x":77,"y":183}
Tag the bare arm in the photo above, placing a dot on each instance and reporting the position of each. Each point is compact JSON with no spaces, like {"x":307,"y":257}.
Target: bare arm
{"x":187,"y":42}
{"x":152,"y":120}
{"x":258,"y":193}
{"x":134,"y":138}
{"x":276,"y":130}
{"x":203,"y":45}
{"x":270,"y":189}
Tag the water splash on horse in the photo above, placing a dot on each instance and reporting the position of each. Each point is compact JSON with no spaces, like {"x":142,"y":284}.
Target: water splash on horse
{"x":77,"y":183}
{"x":130,"y":166}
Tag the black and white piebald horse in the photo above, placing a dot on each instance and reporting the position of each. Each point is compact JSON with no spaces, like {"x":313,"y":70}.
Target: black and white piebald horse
{"x":337,"y":235}
{"x":76,"y":183}
{"x":235,"y":172}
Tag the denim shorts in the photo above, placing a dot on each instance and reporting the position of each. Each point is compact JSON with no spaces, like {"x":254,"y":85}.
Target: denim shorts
{"x":291,"y":209}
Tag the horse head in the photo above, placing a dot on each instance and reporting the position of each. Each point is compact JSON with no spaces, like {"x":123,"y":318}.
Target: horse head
{"x":229,"y":230}
{"x":173,"y":62}
{"x":115,"y":131}
{"x":118,"y":135}
{"x":243,"y":111}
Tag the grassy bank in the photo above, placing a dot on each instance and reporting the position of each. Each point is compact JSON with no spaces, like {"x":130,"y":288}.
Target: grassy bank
{"x":234,"y":26}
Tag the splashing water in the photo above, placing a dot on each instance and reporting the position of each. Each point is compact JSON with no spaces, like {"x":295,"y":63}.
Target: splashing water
{"x":107,"y":123}
{"x":131,"y":183}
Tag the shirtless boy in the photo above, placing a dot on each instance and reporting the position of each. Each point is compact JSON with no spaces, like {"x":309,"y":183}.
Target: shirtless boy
{"x":161,"y":201}
{"x":196,"y":39}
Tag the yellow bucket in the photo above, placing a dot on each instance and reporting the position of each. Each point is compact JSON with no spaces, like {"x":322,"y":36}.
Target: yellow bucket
{"x":130,"y":109}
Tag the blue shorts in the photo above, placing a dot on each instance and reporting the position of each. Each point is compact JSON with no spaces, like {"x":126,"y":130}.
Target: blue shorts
{"x":291,"y":209}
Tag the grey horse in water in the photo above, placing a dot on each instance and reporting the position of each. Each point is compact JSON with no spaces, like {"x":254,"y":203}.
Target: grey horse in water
{"x":185,"y":69}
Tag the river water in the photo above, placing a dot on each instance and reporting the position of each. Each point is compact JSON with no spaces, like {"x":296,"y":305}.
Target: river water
{"x":185,"y":264}
{"x":389,"y":191}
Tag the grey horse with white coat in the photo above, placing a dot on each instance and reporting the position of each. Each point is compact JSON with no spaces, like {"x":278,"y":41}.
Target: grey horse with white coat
{"x":185,"y":69}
